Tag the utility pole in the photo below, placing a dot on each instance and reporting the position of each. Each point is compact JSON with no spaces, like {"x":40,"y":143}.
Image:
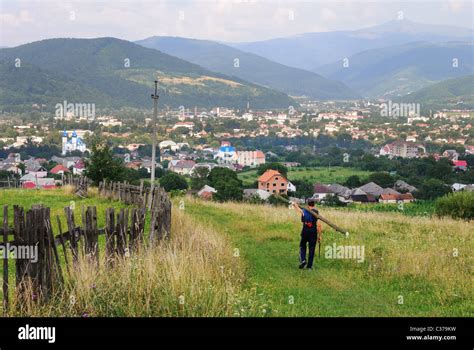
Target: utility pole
{"x":155,"y":98}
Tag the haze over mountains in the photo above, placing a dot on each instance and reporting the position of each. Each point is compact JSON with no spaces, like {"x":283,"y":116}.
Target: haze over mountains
{"x":392,"y":60}
{"x":96,"y":71}
{"x":233,"y":62}
{"x":312,"y":50}
{"x":398,"y":70}
{"x":458,"y":91}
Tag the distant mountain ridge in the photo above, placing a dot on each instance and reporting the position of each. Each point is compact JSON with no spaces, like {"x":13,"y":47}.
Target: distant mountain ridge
{"x":250,"y":67}
{"x":398,"y":70}
{"x":115,"y":72}
{"x":451,"y":91}
{"x":312,"y":50}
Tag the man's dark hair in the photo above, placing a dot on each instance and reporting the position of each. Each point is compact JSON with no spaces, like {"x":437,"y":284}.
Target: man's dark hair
{"x":310,"y":203}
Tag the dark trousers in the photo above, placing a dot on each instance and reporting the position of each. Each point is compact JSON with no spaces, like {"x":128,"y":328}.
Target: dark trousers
{"x":308,"y":239}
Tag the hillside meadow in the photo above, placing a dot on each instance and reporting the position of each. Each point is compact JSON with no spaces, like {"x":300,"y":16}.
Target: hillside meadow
{"x":326,"y":175}
{"x":235,"y":259}
{"x":192,"y":274}
{"x":413,"y":266}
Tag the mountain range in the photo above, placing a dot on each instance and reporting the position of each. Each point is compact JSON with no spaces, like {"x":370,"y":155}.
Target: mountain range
{"x":394,"y":60}
{"x":312,"y":50}
{"x":402,"y":69}
{"x":457,"y":91}
{"x":250,"y":67}
{"x":117,"y":73}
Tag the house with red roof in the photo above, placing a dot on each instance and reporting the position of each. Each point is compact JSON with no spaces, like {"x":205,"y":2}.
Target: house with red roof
{"x":274,"y":182}
{"x":59,"y":170}
{"x":460,"y":165}
{"x":78,"y":167}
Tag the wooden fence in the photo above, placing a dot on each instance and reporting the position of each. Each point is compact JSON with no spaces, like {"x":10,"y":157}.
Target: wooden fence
{"x":37,"y":260}
{"x":124,"y":235}
{"x":10,"y":183}
{"x":154,"y":198}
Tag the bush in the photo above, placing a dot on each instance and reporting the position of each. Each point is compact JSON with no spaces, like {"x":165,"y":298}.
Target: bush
{"x":274,"y":166}
{"x":278,"y":201}
{"x":332,"y":200}
{"x":458,"y":205}
{"x":172,"y":181}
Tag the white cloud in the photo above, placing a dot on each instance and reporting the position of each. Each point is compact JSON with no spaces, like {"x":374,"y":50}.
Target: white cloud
{"x":225,"y":20}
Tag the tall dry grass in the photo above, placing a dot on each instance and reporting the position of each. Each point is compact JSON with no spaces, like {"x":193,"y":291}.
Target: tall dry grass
{"x":192,"y":274}
{"x":434,"y":252}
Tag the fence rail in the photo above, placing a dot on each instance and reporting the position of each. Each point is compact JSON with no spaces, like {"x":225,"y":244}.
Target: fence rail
{"x":154,"y":198}
{"x":124,"y":235}
{"x":10,"y":183}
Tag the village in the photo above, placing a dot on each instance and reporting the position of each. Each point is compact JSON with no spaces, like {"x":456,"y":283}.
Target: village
{"x":199,"y":140}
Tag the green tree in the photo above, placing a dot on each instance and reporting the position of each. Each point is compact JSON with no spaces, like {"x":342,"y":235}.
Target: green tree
{"x":102,"y":164}
{"x":172,"y":181}
{"x":353,"y":181}
{"x":226,"y":183}
{"x":432,"y":189}
{"x":274,"y":166}
{"x":199,"y":178}
{"x":303,"y":189}
{"x":382,"y":179}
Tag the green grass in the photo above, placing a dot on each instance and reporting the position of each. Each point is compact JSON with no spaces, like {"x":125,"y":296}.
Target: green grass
{"x":418,"y":208}
{"x":56,"y":200}
{"x":403,"y":256}
{"x":315,"y":175}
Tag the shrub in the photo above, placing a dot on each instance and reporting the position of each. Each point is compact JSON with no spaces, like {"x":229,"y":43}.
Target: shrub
{"x":457,"y":205}
{"x":172,"y":181}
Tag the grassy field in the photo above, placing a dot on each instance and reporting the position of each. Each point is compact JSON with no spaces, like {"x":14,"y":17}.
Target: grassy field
{"x":418,"y":208}
{"x":320,"y":175}
{"x":192,"y":274}
{"x":230,"y":259}
{"x":413,"y":266}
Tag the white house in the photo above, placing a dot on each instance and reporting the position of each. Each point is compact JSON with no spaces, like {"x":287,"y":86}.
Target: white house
{"x":226,"y":155}
{"x":250,"y":158}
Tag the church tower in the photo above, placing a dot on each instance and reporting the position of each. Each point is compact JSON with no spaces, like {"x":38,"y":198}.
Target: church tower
{"x":64,"y":143}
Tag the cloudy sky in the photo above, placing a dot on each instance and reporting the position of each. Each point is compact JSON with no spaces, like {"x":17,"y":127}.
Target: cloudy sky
{"x":23,"y":21}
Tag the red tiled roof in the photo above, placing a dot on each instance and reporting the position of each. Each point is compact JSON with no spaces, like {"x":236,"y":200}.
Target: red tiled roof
{"x":267,"y":175}
{"x":320,"y":188}
{"x":460,"y":163}
{"x":386,"y":197}
{"x":406,"y":196}
{"x":59,"y":168}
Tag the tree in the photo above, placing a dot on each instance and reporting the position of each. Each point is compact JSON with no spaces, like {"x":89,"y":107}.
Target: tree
{"x":457,"y":205}
{"x":102,"y":164}
{"x":274,"y":166}
{"x":303,"y":189}
{"x":353,"y":181}
{"x":226,"y":183}
{"x":199,"y":178}
{"x":432,"y":189}
{"x":381,"y":179}
{"x":172,"y":181}
{"x":332,"y":200}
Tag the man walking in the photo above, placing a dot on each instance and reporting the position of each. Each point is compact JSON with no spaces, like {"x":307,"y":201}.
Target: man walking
{"x":309,"y":234}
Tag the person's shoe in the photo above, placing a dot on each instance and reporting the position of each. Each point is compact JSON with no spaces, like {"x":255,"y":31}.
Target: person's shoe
{"x":302,"y":264}
{"x":309,"y":268}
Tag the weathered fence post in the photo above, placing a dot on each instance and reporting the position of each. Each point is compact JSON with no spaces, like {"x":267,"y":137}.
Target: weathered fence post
{"x":109,"y":236}
{"x":5,"y":260}
{"x":73,"y":237}
{"x":61,"y":240}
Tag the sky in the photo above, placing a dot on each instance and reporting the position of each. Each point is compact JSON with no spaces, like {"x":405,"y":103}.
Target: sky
{"x":23,"y":21}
